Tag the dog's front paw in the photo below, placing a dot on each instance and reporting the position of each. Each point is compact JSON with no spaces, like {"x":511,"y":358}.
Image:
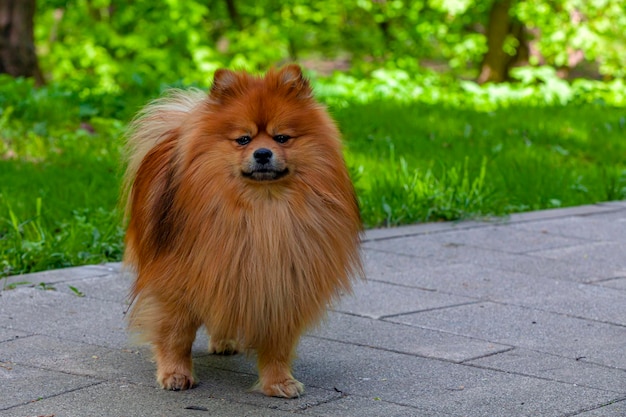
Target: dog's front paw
{"x":176,"y":381}
{"x":224,"y":347}
{"x":289,"y":388}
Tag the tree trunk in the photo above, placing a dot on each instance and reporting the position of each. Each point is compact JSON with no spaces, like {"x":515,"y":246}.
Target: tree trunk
{"x":496,"y":62}
{"x":235,"y":17}
{"x":522,"y":53}
{"x":17,"y":45}
{"x":494,"y":66}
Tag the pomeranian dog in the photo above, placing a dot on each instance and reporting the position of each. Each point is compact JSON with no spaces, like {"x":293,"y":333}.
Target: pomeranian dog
{"x":242,"y":218}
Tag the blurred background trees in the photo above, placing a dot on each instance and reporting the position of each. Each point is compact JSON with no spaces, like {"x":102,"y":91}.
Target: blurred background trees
{"x":115,"y":44}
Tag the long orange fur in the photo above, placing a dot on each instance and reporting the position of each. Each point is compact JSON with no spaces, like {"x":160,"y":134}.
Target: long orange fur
{"x":256,"y":262}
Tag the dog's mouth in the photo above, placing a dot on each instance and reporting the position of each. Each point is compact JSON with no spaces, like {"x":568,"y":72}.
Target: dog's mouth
{"x":265,"y":174}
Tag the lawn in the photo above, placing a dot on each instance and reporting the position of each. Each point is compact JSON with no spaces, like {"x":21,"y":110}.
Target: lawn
{"x":419,"y":162}
{"x":411,"y":162}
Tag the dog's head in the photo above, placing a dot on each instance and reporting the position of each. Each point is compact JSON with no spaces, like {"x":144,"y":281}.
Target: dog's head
{"x":265,"y":130}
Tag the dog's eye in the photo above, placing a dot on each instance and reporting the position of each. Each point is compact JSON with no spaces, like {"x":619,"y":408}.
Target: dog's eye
{"x":282,"y":138}
{"x":243,"y":140}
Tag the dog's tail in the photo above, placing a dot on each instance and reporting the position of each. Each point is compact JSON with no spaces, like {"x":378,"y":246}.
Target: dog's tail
{"x":153,"y":124}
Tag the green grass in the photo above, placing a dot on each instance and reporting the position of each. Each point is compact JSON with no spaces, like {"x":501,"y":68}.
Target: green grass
{"x":58,"y":191}
{"x":411,"y":162}
{"x":55,"y":214}
{"x":417,"y":162}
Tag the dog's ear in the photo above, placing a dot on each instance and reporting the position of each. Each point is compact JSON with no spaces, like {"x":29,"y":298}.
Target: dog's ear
{"x":225,"y":84}
{"x":291,"y":76}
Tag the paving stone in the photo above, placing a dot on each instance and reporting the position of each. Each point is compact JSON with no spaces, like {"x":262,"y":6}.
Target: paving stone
{"x":115,"y":266}
{"x":505,"y":239}
{"x":616,"y":203}
{"x":231,"y":377}
{"x":616,"y":283}
{"x":579,"y":300}
{"x":497,"y":238}
{"x":467,"y":280}
{"x":112,"y":287}
{"x":578,"y":270}
{"x":226,"y":378}
{"x":418,"y":229}
{"x":556,"y":368}
{"x":61,"y":275}
{"x":380,"y":263}
{"x":115,"y":399}
{"x":615,"y":215}
{"x":438,"y":386}
{"x":483,"y":278}
{"x":436,"y":255}
{"x":53,"y":313}
{"x":400,"y":338}
{"x":586,"y":210}
{"x":588,"y":228}
{"x":124,"y":365}
{"x":10,"y":334}
{"x":611,"y":253}
{"x":235,"y":386}
{"x":561,"y":335}
{"x":369,"y":407}
{"x":22,"y":384}
{"x":376,"y":299}
{"x":477,"y":282}
{"x":573,"y":269}
{"x":612,"y":409}
{"x":615,"y":209}
{"x":415,"y":246}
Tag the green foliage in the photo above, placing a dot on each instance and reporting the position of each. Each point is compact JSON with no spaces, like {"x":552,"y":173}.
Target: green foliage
{"x":596,"y":28}
{"x":118,"y":47}
{"x":538,"y":86}
{"x":76,"y":291}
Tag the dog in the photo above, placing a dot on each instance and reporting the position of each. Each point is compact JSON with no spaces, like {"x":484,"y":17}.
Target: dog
{"x":241,"y":216}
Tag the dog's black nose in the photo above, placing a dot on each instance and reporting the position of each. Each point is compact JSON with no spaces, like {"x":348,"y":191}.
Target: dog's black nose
{"x":262,"y":155}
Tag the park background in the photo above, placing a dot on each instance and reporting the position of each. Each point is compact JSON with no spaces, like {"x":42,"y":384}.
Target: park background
{"x":450,"y":109}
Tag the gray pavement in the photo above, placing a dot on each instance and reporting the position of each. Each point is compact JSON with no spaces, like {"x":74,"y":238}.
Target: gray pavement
{"x":524,"y":316}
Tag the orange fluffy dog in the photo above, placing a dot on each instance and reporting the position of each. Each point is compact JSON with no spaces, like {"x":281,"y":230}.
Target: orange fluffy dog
{"x":242,"y":218}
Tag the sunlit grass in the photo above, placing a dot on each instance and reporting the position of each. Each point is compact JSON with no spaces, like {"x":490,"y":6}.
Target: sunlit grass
{"x":427,"y":163}
{"x":58,"y":193}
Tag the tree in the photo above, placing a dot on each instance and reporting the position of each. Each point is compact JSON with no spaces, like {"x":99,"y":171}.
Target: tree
{"x":116,"y":44}
{"x":234,"y":14}
{"x":17,"y":46}
{"x":497,"y":61}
